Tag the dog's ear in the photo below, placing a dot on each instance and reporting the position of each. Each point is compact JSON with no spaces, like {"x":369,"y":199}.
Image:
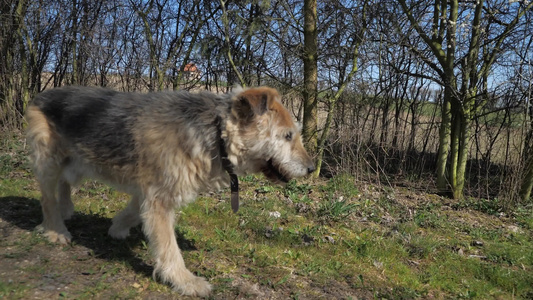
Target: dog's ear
{"x":254,"y":102}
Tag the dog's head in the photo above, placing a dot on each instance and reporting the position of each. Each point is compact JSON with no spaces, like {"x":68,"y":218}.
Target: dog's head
{"x":265,"y":138}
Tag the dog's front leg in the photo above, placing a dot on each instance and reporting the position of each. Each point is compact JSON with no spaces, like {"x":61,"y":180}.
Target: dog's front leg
{"x":158,"y":226}
{"x":126,"y":219}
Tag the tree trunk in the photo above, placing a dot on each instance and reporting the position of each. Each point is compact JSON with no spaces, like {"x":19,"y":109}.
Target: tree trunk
{"x":444,"y":142}
{"x":527,"y":183}
{"x":310,"y":118}
{"x":527,"y":157}
{"x":464,"y":144}
{"x":454,"y":148}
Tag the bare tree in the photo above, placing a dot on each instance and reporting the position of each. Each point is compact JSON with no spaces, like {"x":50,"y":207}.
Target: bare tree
{"x":462,"y":57}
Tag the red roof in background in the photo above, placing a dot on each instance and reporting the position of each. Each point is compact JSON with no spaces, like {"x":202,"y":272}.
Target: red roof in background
{"x":190,"y":67}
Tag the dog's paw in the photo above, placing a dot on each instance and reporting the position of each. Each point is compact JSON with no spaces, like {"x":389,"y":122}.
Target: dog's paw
{"x":60,"y":238}
{"x":55,"y":237}
{"x":118,"y":233}
{"x":183,"y":281}
{"x":194,"y":286}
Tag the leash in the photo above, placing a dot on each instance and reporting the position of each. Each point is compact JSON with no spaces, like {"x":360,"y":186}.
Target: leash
{"x":228,"y":166}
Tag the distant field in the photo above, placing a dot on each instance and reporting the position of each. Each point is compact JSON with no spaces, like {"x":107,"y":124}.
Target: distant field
{"x":489,"y":139}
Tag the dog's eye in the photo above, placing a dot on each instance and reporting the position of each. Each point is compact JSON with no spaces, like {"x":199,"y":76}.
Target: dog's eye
{"x":288,"y":137}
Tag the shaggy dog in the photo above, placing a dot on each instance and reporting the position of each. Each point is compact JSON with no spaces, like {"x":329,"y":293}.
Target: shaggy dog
{"x":163,"y":149}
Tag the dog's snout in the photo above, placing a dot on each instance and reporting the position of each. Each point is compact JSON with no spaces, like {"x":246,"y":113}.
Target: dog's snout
{"x":311,"y":168}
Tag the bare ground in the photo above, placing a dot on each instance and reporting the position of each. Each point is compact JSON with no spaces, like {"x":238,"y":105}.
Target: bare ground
{"x":96,"y":266}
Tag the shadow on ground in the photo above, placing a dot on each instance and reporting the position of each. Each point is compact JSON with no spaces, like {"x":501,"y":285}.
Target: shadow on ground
{"x":88,"y":230}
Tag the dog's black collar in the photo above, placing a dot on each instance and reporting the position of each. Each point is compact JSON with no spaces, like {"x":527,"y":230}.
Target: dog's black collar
{"x":228,"y":166}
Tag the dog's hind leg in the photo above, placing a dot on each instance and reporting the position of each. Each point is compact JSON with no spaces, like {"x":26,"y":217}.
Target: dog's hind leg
{"x":158,"y":225}
{"x":47,"y":161}
{"x":126,"y":219}
{"x":65,"y":202}
{"x":53,"y":226}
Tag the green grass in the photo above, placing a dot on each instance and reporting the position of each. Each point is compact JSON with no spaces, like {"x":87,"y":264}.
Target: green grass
{"x":13,"y":290}
{"x":417,"y":258}
{"x":329,"y":241}
{"x":524,"y":216}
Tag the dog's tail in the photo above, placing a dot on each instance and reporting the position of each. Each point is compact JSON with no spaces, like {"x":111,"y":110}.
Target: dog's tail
{"x":42,"y":138}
